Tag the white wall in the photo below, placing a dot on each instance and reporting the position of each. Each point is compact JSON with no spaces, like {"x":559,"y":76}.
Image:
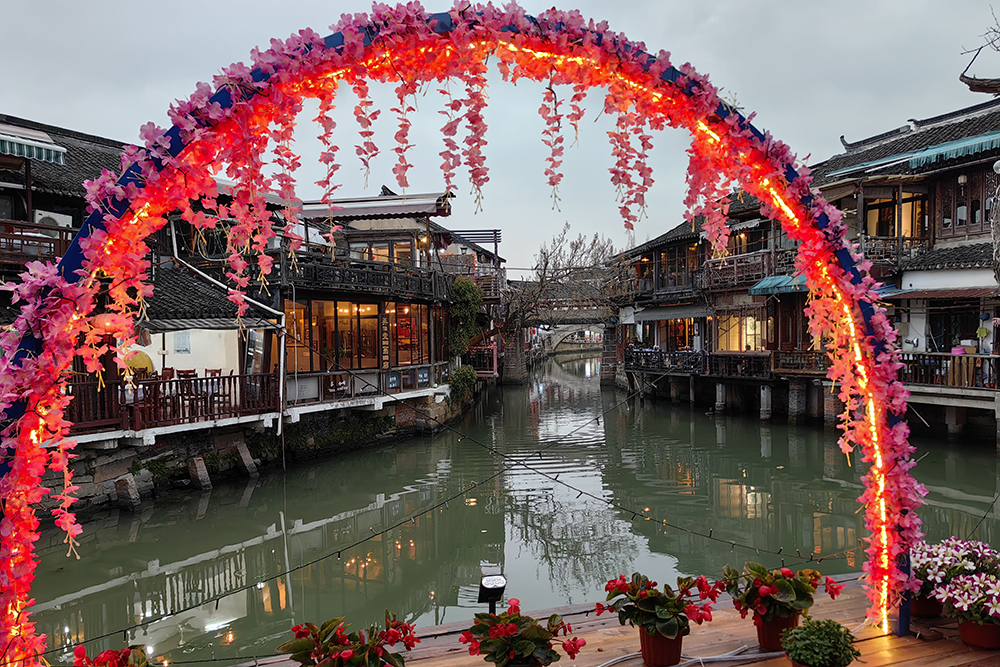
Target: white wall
{"x":209,"y":349}
{"x":948,"y":279}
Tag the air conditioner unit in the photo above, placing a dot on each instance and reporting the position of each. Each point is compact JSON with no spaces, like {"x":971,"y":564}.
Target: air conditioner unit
{"x":53,"y":219}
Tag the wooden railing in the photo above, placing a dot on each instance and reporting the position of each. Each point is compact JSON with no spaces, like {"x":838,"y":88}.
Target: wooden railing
{"x":485,"y":359}
{"x":664,"y":361}
{"x":150,"y":403}
{"x":755,"y":365}
{"x":889,"y":249}
{"x":799,"y":362}
{"x":958,"y":370}
{"x":737,"y":269}
{"x":371,"y":278}
{"x":22,"y":242}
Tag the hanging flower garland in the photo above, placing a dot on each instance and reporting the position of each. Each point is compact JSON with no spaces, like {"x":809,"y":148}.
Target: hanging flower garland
{"x":227,"y":125}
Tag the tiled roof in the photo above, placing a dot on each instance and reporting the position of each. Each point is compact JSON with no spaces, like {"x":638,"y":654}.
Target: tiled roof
{"x":682,"y":232}
{"x":976,"y":256}
{"x":86,"y":156}
{"x":179,"y":294}
{"x":875,"y":155}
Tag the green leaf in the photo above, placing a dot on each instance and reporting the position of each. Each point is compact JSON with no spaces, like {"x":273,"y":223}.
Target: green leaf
{"x":297,"y":645}
{"x":391,"y":659}
{"x":785,"y":591}
{"x":667,"y":628}
{"x":304,"y":657}
{"x":524,"y":648}
{"x":646,"y":604}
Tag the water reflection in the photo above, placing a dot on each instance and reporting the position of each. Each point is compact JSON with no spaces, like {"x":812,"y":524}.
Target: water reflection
{"x":769,"y":486}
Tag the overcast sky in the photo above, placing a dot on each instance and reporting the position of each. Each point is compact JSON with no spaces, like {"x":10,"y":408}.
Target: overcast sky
{"x":812,"y":71}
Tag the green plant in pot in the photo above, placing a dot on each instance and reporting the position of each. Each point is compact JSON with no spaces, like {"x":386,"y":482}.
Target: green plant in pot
{"x":935,"y":565}
{"x":332,"y":645}
{"x":513,"y":640}
{"x":820,"y":644}
{"x":776,"y":598}
{"x":663,"y":615}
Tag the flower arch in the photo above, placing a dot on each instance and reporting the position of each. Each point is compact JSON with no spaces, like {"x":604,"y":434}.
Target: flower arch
{"x":249,"y":115}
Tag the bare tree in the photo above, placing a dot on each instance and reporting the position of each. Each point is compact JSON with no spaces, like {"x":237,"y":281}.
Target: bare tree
{"x":572,"y":278}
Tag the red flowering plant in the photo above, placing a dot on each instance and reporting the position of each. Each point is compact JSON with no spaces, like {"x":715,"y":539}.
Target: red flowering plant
{"x":510,"y":638}
{"x":331,"y":645}
{"x":669,"y":611}
{"x":771,"y":594}
{"x":132,"y":656}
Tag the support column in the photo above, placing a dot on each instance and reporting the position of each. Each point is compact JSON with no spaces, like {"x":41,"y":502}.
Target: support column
{"x":720,"y":431}
{"x":691,"y":394}
{"x":954,"y":418}
{"x":609,"y":356}
{"x":128,"y":493}
{"x":198,"y":473}
{"x":765,"y":441}
{"x":765,"y":402}
{"x":797,"y":389}
{"x":675,"y":390}
{"x":515,"y":369}
{"x":833,"y":407}
{"x":720,"y":397}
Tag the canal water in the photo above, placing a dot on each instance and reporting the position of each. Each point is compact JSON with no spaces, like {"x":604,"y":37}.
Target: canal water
{"x":768,"y":486}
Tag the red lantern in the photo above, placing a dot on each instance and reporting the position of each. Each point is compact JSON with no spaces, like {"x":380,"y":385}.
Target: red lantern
{"x":105,"y":323}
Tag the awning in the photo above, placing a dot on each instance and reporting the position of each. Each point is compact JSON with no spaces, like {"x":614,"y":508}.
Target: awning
{"x":779,"y":285}
{"x":891,"y":292}
{"x":958,"y":148}
{"x":957,"y":293}
{"x":672,"y":313}
{"x":32,"y":149}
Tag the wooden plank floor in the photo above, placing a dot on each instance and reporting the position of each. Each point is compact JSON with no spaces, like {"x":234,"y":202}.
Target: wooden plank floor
{"x":607,"y":640}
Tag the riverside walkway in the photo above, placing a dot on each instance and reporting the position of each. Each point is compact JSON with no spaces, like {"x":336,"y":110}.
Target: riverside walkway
{"x":938,"y":645}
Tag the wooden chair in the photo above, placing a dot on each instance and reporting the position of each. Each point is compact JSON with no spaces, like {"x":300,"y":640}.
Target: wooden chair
{"x":213,"y":372}
{"x":168,"y":373}
{"x":184,"y":374}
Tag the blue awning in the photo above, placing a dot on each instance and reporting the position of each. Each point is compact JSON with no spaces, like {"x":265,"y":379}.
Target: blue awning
{"x":779,"y":285}
{"x":931,"y":154}
{"x":891,"y":291}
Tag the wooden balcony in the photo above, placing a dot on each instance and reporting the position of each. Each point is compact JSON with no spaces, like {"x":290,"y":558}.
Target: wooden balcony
{"x":799,"y":362}
{"x":390,"y":280}
{"x":153,"y":402}
{"x":891,"y":250}
{"x":660,"y":361}
{"x":737,"y":270}
{"x":751,"y":365}
{"x":958,"y":370}
{"x":22,"y":242}
{"x":485,"y":359}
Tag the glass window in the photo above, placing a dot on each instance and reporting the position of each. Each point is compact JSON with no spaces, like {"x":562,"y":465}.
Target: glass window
{"x":6,"y":208}
{"x":741,"y":330}
{"x":368,"y":335}
{"x":947,"y":198}
{"x":297,"y":344}
{"x":975,"y":200}
{"x":324,"y":334}
{"x":346,"y":334}
{"x":961,"y":206}
{"x":359,"y":251}
{"x":404,"y":334}
{"x":425,"y":334}
{"x":403,"y":252}
{"x":440,"y":335}
{"x":379,"y":252}
{"x":390,"y":313}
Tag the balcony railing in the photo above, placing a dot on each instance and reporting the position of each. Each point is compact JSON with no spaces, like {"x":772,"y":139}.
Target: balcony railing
{"x":958,"y":370}
{"x":485,"y":359}
{"x":755,"y":365}
{"x":663,"y":361}
{"x":491,"y":280}
{"x":737,"y":270}
{"x":335,"y":385}
{"x":889,"y":249}
{"x":799,"y":362}
{"x":22,"y":242}
{"x":154,"y":402}
{"x":372,"y":278}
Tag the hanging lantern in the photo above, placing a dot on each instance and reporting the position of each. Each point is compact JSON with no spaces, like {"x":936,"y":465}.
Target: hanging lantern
{"x":105,"y":323}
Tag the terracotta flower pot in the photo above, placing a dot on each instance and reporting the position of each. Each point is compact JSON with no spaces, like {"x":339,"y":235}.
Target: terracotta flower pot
{"x":769,"y":633}
{"x":659,"y":651}
{"x":979,"y":635}
{"x":924,"y":606}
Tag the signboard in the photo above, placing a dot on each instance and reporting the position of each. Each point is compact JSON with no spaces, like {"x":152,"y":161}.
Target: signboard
{"x":423,"y":376}
{"x":392,"y":381}
{"x":384,"y":337}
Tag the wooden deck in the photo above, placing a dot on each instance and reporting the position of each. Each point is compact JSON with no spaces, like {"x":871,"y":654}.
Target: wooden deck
{"x":939,"y":645}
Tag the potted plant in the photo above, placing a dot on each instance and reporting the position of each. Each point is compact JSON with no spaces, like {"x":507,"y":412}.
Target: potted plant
{"x":510,"y":639}
{"x":132,"y":656}
{"x":331,"y":645}
{"x":775,"y":597}
{"x":820,"y":644}
{"x":663,"y":616}
{"x":974,"y":599}
{"x":935,"y":565}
